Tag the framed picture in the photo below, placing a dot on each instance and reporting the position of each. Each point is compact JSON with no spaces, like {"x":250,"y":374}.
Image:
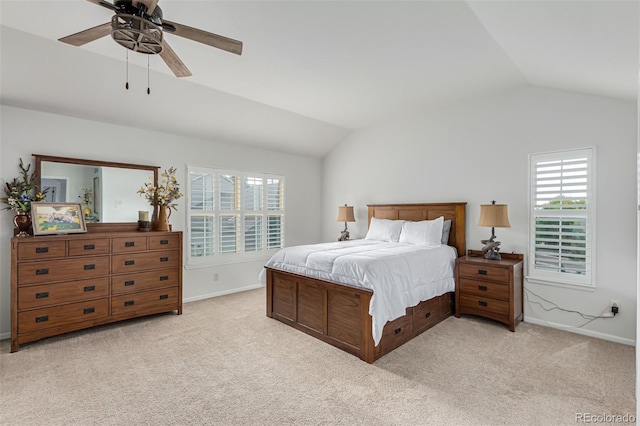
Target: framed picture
{"x":57,"y":218}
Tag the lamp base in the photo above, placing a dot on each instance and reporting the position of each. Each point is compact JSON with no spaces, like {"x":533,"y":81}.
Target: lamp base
{"x":491,"y":249}
{"x":344,"y":236}
{"x":492,"y":254}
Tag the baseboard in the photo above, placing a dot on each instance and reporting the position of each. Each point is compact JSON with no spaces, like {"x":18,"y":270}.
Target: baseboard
{"x":222,"y":293}
{"x":5,"y":336}
{"x":576,"y":330}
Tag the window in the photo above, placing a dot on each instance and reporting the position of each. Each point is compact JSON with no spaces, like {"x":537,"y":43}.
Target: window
{"x":234,"y":216}
{"x":562,"y":217}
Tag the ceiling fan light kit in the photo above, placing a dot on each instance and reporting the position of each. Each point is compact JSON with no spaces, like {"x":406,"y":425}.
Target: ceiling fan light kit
{"x":138,"y":26}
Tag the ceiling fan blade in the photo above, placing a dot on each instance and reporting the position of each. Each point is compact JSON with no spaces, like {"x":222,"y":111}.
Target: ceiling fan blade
{"x":173,"y":62}
{"x":103,"y":4}
{"x":210,"y":39}
{"x":84,"y":37}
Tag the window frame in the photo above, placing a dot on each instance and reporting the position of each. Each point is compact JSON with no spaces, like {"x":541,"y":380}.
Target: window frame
{"x":584,"y":281}
{"x":216,"y":211}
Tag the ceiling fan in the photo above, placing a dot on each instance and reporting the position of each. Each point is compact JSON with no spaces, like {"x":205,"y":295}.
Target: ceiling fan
{"x":138,"y":26}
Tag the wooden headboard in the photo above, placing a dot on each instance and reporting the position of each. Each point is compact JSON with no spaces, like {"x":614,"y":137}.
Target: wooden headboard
{"x":455,"y":212}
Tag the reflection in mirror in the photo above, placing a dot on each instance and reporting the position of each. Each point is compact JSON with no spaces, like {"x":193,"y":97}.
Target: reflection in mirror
{"x":110,"y":188}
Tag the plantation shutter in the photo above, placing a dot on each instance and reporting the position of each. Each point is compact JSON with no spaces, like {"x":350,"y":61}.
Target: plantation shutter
{"x":202,"y":223}
{"x":562,"y":212}
{"x":275,"y":212}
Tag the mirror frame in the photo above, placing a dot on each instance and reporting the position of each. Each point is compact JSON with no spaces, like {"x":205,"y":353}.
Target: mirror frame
{"x":101,"y":226}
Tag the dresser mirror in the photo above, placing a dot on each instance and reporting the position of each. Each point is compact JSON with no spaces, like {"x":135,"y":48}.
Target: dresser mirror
{"x":112,"y":188}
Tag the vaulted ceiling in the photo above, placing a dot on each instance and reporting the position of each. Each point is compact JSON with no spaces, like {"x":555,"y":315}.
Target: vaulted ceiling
{"x":311,"y":71}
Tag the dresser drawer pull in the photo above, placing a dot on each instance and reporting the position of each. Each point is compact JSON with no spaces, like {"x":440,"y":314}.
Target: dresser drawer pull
{"x":398,"y":330}
{"x":89,"y":246}
{"x":128,"y":303}
{"x":42,"y":271}
{"x":42,"y":318}
{"x":42,"y":249}
{"x":427,"y":315}
{"x":164,"y":259}
{"x":129,"y":243}
{"x":164,"y":242}
{"x":482,"y":303}
{"x":482,"y":272}
{"x":164,"y":296}
{"x":89,"y":288}
{"x":42,"y":295}
{"x":164,"y":278}
{"x":129,"y":283}
{"x":90,"y":267}
{"x":482,"y":287}
{"x":129,"y":262}
{"x":89,"y":310}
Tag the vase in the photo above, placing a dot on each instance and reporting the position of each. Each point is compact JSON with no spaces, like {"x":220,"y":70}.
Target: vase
{"x":86,"y":211}
{"x":162,"y":224}
{"x":22,"y":221}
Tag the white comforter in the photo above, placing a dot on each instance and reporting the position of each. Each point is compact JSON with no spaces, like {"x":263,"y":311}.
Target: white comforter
{"x":400,"y":275}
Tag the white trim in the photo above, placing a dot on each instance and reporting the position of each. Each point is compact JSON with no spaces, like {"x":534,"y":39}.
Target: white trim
{"x":228,"y":261}
{"x":582,"y":331}
{"x":222,"y":293}
{"x":564,"y":284}
{"x":560,"y":279}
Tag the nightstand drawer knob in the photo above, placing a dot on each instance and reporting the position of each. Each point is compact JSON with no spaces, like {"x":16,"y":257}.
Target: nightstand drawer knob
{"x":482,"y":287}
{"x":482,"y":303}
{"x":482,"y":272}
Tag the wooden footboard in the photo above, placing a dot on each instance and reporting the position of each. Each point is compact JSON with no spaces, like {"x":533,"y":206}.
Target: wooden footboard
{"x":339,"y":314}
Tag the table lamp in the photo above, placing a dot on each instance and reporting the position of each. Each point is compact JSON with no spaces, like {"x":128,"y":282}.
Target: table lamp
{"x":495,"y":216}
{"x":345,"y":214}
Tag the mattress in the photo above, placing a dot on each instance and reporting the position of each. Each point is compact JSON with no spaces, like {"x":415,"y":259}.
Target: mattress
{"x":400,"y":275}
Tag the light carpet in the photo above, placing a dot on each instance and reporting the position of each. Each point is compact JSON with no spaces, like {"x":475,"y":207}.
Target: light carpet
{"x":223,"y":362}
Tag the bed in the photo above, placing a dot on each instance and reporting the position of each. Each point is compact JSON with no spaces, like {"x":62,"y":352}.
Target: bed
{"x":338,"y":313}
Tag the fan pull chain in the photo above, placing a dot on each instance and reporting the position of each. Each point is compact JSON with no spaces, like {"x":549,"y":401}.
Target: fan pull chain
{"x":148,"y":84}
{"x":127,"y":84}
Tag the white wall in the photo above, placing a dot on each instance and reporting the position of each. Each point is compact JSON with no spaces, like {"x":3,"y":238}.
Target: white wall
{"x":26,"y":132}
{"x":478,"y":152}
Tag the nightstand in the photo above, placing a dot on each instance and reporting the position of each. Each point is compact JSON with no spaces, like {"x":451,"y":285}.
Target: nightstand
{"x":490,"y":288}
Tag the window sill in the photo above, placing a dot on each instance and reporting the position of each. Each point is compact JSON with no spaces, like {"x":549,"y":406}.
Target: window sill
{"x":221,"y":262}
{"x":562,"y":284}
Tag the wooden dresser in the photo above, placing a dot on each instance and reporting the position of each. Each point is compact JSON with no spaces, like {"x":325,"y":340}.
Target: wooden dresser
{"x":490,"y":288}
{"x":71,"y":282}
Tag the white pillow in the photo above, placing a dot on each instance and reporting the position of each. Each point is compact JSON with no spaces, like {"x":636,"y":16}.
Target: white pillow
{"x":384,"y":230}
{"x":424,"y":233}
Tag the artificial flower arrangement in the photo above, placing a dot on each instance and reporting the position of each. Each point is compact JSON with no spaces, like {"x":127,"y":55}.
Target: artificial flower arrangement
{"x":87,"y":196}
{"x":167,"y":192}
{"x":22,"y":191}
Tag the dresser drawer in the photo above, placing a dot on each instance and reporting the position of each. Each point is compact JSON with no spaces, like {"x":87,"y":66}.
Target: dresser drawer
{"x":395,"y":332}
{"x":41,"y":250}
{"x":122,"y":263}
{"x":127,"y":244}
{"x":426,"y":314}
{"x":37,"y":296}
{"x":130,"y":283}
{"x":57,"y":316}
{"x":484,"y":289}
{"x":160,"y":242}
{"x":486,"y":305}
{"x":485,"y":272}
{"x":89,"y":247}
{"x":62,"y":270}
{"x":146,"y":302}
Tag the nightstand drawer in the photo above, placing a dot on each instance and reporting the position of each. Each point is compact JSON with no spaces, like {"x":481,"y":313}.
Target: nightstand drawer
{"x":484,"y":289}
{"x":469,"y":303}
{"x":484,"y":272}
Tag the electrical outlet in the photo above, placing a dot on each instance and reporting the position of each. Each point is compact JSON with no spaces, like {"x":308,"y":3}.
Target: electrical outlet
{"x":216,"y":277}
{"x":614,"y":302}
